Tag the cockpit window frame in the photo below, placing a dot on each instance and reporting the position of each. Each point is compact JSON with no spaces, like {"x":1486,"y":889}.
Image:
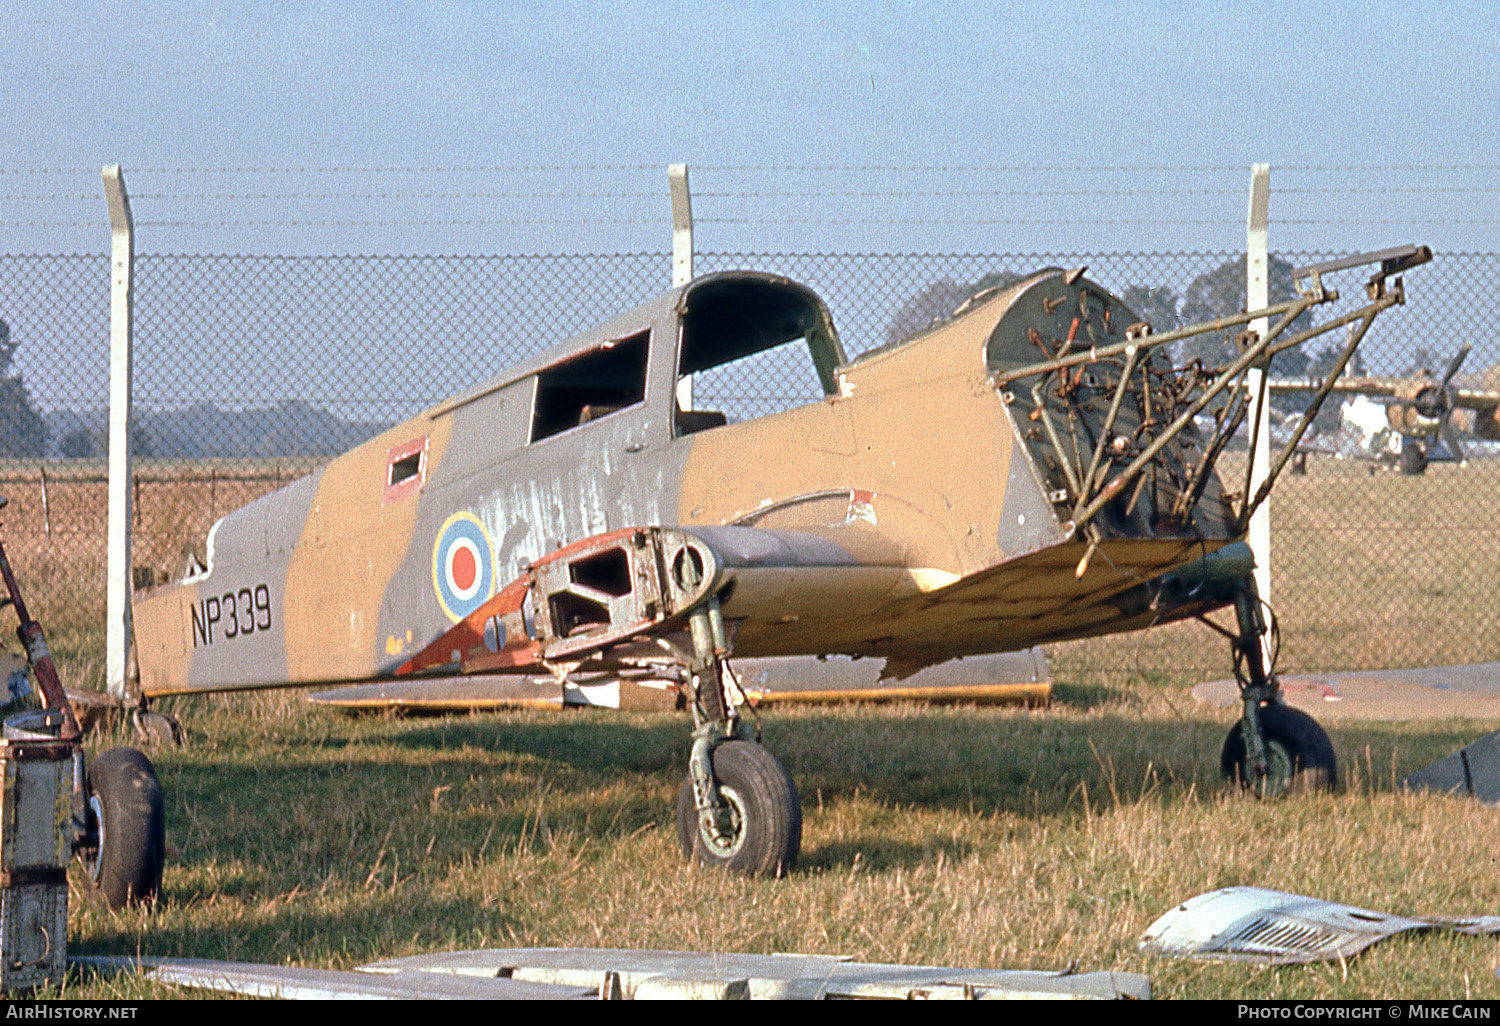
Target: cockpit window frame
{"x":564,"y":400}
{"x":744,"y":315}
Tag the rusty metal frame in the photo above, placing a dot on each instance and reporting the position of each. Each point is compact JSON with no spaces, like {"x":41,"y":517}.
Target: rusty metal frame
{"x":1089,"y":497}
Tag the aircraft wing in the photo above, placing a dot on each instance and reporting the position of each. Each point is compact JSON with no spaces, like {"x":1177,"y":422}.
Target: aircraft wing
{"x":1479,"y":399}
{"x":622,"y":599}
{"x":623,"y":589}
{"x":1345,"y":386}
{"x":1467,"y":398}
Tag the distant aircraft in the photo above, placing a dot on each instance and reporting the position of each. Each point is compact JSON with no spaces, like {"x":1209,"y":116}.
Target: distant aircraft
{"x":1401,"y":420}
{"x":1028,"y":471}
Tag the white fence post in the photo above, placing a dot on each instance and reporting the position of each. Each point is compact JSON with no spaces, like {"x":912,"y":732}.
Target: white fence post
{"x":121,"y":300}
{"x":1258,"y":295}
{"x":682,"y":254}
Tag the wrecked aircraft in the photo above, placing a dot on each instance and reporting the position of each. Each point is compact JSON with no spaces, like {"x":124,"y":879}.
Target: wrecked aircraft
{"x":1405,"y":422}
{"x":1028,"y":471}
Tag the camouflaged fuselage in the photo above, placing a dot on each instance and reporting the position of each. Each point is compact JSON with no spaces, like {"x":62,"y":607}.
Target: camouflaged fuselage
{"x":940,"y":507}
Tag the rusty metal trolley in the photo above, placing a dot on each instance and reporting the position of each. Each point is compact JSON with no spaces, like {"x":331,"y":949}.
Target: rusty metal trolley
{"x":53,"y":806}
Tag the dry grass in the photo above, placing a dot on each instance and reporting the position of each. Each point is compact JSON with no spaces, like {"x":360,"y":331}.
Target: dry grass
{"x":1369,"y":571}
{"x":949,"y":836}
{"x":952,"y":836}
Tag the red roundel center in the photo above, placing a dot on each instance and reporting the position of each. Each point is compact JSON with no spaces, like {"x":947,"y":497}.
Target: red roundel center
{"x":465,"y":571}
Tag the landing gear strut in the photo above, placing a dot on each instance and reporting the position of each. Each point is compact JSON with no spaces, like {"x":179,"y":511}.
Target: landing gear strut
{"x":738,"y":808}
{"x":1274,"y":748}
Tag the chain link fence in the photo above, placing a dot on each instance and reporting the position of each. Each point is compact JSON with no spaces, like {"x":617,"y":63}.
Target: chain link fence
{"x":251,"y":370}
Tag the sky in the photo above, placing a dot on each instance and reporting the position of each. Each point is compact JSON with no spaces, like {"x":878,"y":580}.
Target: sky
{"x":474,"y":127}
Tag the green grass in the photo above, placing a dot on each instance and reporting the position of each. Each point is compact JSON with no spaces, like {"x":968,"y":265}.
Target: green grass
{"x":971,"y":837}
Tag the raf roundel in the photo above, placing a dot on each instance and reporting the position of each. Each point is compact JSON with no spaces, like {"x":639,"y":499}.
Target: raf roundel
{"x":462,"y":566}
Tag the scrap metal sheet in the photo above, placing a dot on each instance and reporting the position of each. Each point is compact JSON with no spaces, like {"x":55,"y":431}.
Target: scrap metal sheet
{"x":294,"y":983}
{"x":1473,"y":770}
{"x":1010,"y":678}
{"x":640,"y":974}
{"x":1255,"y":924}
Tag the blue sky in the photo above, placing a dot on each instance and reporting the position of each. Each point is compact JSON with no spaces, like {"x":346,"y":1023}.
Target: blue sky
{"x":807,"y":125}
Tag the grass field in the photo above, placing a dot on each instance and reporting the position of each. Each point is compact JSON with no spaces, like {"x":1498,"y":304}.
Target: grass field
{"x":951,"y":836}
{"x":948,"y":836}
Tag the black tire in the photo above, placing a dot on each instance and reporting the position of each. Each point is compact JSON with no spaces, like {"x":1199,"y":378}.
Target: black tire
{"x":764,"y":806}
{"x":1413,"y":457}
{"x":125,"y":815}
{"x":1300,"y":751}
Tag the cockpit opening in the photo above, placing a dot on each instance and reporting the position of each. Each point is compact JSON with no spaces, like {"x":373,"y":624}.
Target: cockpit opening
{"x":751,"y":345}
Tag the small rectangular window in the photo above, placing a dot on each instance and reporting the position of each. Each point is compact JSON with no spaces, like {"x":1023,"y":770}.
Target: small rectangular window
{"x":406,"y":469}
{"x":588,"y":387}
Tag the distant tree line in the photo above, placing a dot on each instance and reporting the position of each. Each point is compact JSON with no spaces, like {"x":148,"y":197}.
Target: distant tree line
{"x":1217,"y":293}
{"x":203,"y":430}
{"x":23,"y":432}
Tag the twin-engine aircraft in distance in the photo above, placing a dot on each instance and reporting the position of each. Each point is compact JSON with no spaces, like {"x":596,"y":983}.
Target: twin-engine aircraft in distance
{"x":1399,"y":420}
{"x":1028,"y":471}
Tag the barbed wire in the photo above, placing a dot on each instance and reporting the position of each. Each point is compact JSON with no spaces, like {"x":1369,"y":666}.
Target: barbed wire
{"x":518,"y":194}
{"x":393,"y":169}
{"x":48,"y":170}
{"x":742,"y":168}
{"x":834,"y":219}
{"x":641,"y":194}
{"x":1065,"y":221}
{"x":34,"y":223}
{"x":1401,"y":190}
{"x":954,"y":193}
{"x":389,"y":222}
{"x":830,"y":219}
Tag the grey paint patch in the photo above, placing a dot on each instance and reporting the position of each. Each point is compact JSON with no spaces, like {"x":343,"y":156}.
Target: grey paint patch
{"x":1028,"y":521}
{"x":250,"y":548}
{"x":611,"y":473}
{"x":1473,"y":770}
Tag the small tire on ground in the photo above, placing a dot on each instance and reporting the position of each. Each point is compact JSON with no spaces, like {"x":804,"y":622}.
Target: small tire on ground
{"x":1413,"y":458}
{"x":125,"y":815}
{"x":765,"y":807}
{"x":1301,"y":754}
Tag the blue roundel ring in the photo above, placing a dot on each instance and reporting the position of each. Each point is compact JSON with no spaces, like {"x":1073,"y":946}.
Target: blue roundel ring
{"x":463,"y":571}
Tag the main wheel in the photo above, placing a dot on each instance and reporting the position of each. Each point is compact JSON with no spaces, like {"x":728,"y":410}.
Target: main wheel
{"x":1298,"y":751}
{"x":125,"y":817}
{"x":1413,"y":457}
{"x":765,"y":814}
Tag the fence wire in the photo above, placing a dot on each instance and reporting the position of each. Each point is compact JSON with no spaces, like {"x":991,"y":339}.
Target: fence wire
{"x":251,"y":370}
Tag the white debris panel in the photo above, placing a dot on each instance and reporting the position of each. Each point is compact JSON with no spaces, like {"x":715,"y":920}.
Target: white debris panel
{"x":616,"y":974}
{"x":1258,"y":925}
{"x":640,"y":974}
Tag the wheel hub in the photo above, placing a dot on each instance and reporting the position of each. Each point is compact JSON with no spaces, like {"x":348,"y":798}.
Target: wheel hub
{"x":1279,"y":773}
{"x":91,"y":857}
{"x":727,"y":834}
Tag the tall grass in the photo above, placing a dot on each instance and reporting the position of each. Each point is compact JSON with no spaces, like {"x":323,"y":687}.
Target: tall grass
{"x":949,"y":836}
